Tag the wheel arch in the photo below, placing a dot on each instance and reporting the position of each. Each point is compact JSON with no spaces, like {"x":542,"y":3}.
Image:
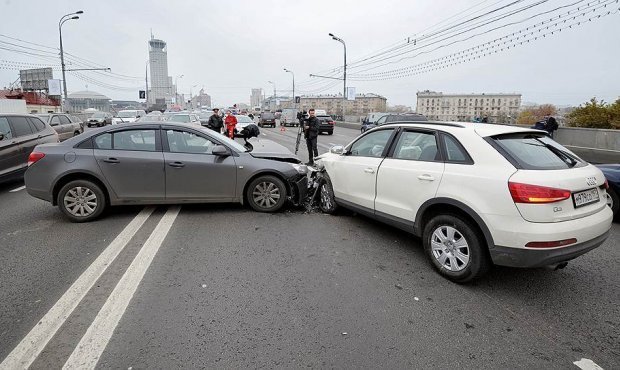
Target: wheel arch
{"x":68,"y":177}
{"x":436,"y":206}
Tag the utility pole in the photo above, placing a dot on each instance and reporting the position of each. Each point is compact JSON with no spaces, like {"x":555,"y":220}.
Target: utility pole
{"x":62,"y":20}
{"x":344,"y":93}
{"x":291,"y":72}
{"x":146,"y":79}
{"x":275,"y":98}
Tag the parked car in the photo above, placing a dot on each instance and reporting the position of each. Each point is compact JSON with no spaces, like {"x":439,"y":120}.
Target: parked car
{"x":289,"y":117}
{"x":394,"y":117}
{"x":123,"y":164}
{"x":612,"y":174}
{"x":62,"y":123}
{"x":242,"y":122}
{"x":267,"y":119}
{"x":128,"y":116}
{"x":326,"y":124}
{"x":184,"y":118}
{"x":19,"y":134}
{"x":204,"y":117}
{"x":99,"y":119}
{"x":476,"y":194}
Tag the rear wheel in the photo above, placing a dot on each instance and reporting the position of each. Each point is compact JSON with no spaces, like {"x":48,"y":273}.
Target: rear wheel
{"x":613,"y":201}
{"x":76,"y":133}
{"x":330,"y":132}
{"x":455,"y":248}
{"x":266,"y":194}
{"x":81,"y":200}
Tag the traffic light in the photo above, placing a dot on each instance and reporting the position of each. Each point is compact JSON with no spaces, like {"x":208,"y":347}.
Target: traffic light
{"x":142,"y":94}
{"x":297,"y":99}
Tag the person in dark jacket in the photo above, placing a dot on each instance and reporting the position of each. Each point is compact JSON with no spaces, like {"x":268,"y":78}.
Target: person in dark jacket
{"x":311,"y":132}
{"x":215,"y":122}
{"x":551,"y":125}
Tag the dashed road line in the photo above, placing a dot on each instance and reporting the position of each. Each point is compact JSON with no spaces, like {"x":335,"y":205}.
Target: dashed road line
{"x":17,"y":189}
{"x":35,"y":341}
{"x":587,"y":364}
{"x":93,"y":343}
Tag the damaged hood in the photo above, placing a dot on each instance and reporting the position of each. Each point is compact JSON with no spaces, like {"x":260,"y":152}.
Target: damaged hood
{"x":268,"y":149}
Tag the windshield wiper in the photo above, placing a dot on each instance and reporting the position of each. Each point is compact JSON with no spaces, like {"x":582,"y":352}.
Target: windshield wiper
{"x":565,"y":157}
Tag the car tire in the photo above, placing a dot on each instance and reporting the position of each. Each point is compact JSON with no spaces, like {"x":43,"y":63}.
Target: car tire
{"x":327,"y":200}
{"x":266,"y":194}
{"x":76,"y":133}
{"x":330,"y":132}
{"x":613,"y":201}
{"x":80,"y":193}
{"x":455,"y":248}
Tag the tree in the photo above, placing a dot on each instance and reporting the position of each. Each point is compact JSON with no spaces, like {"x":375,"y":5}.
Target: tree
{"x":596,"y":114}
{"x":526,"y":117}
{"x":531,"y":115}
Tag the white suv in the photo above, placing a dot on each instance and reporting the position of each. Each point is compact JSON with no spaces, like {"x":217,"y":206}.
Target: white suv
{"x":476,"y":194}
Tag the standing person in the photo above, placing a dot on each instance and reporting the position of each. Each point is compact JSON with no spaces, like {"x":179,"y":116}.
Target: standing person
{"x":231,"y":122}
{"x":215,"y":121}
{"x":311,"y":132}
{"x":551,"y":125}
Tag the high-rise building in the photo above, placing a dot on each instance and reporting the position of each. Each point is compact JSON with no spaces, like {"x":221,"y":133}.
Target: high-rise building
{"x":497,"y":108}
{"x":256,"y":99}
{"x":161,"y":87}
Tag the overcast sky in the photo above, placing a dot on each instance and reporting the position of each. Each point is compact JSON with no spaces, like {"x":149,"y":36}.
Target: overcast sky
{"x":229,"y":47}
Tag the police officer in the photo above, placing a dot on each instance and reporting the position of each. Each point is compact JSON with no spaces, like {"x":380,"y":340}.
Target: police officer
{"x":215,"y":121}
{"x":311,"y":133}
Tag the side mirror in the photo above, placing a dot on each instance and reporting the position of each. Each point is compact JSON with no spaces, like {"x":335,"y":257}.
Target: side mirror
{"x":337,"y":149}
{"x":1,"y":136}
{"x":220,"y":151}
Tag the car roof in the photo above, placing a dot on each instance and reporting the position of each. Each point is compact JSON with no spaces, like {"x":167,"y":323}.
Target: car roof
{"x":24,"y":114}
{"x":482,"y":129}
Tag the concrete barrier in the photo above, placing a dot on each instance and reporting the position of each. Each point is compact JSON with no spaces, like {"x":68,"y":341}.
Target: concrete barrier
{"x":591,"y":144}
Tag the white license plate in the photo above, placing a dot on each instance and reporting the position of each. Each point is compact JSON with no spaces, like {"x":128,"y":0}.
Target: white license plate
{"x":585,"y":197}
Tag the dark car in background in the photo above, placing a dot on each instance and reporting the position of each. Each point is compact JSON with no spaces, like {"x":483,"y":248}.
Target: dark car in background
{"x":326,"y":124}
{"x":63,"y":124}
{"x":267,"y":119}
{"x":612,"y":174}
{"x":162,"y":163}
{"x":19,"y":134}
{"x":393,"y":117}
{"x":99,"y":119}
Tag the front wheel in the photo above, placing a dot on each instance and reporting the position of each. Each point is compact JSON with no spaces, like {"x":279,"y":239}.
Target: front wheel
{"x":266,"y":194}
{"x":327,"y":201}
{"x":455,"y":248}
{"x":81,"y":200}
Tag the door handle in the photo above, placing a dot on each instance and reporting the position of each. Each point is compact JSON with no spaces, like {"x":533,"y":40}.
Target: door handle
{"x":176,"y":164}
{"x":111,"y":160}
{"x":426,"y":177}
{"x":369,"y":170}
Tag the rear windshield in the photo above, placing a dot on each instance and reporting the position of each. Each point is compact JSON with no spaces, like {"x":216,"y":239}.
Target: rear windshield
{"x":268,"y":116}
{"x":533,"y":151}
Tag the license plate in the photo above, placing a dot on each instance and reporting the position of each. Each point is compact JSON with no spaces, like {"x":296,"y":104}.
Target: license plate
{"x":585,"y":197}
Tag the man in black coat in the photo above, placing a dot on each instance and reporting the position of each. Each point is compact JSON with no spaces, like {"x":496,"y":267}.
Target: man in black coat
{"x":215,"y":121}
{"x":311,"y":132}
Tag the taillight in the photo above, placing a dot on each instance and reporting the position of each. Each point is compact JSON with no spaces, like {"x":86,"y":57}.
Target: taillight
{"x":34,"y":157}
{"x":331,"y":122}
{"x":606,"y":184}
{"x":525,"y":193}
{"x":552,"y":244}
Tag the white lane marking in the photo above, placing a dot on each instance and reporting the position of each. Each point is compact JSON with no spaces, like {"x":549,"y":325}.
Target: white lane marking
{"x":93,"y":343}
{"x":587,"y":364}
{"x":35,"y":341}
{"x":17,"y":189}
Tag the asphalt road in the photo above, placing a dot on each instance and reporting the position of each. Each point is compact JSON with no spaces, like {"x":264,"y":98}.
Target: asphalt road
{"x":222,"y":286}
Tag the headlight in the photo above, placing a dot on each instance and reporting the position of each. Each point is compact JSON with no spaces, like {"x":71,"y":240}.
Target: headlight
{"x":318,"y":163}
{"x":302,"y":169}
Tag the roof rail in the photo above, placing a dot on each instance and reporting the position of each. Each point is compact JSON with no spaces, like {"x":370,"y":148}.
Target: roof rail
{"x":449,"y":124}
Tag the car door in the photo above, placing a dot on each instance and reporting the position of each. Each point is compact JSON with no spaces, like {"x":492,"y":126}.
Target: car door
{"x":354,"y":174}
{"x":55,"y":123}
{"x":192,"y":172}
{"x":10,"y":150}
{"x":68,"y":128}
{"x":132,"y":163}
{"x":410,"y":175}
{"x":25,"y":136}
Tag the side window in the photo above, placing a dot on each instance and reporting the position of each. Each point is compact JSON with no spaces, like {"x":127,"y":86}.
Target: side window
{"x":187,"y":142}
{"x":103,"y":141}
{"x":64,"y":120}
{"x":381,"y":120}
{"x":455,"y":151}
{"x":5,"y":128}
{"x":142,"y":140}
{"x":37,"y":123}
{"x":417,"y":146}
{"x":55,"y":121}
{"x":371,"y":145}
{"x":20,"y":126}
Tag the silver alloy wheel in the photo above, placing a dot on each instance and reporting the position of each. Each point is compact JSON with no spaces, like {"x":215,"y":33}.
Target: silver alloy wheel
{"x":80,"y":201}
{"x":450,"y":248}
{"x":266,"y":194}
{"x":325,"y":198}
{"x":610,"y":201}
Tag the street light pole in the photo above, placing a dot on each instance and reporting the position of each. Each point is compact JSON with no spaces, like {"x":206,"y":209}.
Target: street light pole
{"x":176,"y":89}
{"x":146,"y":79}
{"x":62,"y":20}
{"x":344,"y":93}
{"x":291,"y":72}
{"x":275,"y":99}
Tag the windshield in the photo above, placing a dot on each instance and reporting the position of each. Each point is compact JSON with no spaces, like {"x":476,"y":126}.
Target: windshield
{"x":244,"y":119}
{"x":537,"y":152}
{"x":127,"y":114}
{"x":98,"y":115}
{"x":183,"y":118}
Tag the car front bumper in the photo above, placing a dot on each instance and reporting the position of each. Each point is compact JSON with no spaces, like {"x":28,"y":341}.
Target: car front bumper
{"x":299,"y":189}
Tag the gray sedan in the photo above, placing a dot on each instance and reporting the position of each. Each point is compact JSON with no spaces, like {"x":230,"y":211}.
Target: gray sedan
{"x":162,"y":163}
